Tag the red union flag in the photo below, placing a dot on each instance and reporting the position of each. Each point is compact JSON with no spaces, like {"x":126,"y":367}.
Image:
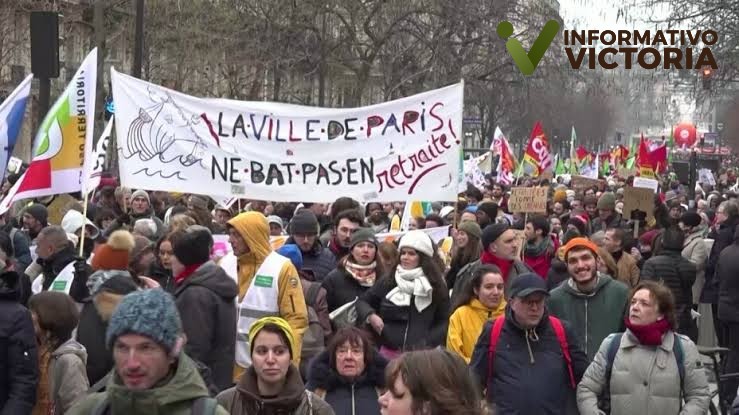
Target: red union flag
{"x":506,"y":162}
{"x":537,"y":152}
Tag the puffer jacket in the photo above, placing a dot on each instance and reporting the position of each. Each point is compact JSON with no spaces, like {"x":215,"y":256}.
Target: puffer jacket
{"x":67,"y":375}
{"x":319,"y":260}
{"x":465,"y":326}
{"x":678,"y":274}
{"x":593,"y":316}
{"x":529,"y":373}
{"x":405,"y":327}
{"x":345,"y":397}
{"x":175,"y":396}
{"x":695,"y":251}
{"x":205,"y":300}
{"x":245,"y":399}
{"x":645,"y":384}
{"x":18,"y":355}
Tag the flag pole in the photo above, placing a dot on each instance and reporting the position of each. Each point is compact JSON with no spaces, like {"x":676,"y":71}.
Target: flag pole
{"x":84,"y":223}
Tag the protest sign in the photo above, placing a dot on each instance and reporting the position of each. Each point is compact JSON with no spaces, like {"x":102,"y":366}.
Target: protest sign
{"x":528,"y":199}
{"x":705,"y":176}
{"x":638,"y":198}
{"x":646,"y":183}
{"x":407,"y":149}
{"x":582,"y":182}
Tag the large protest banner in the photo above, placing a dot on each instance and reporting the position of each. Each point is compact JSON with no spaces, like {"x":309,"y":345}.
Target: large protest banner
{"x":407,"y":149}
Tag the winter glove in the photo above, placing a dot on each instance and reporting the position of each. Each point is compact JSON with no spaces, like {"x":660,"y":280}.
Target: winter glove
{"x":80,"y":269}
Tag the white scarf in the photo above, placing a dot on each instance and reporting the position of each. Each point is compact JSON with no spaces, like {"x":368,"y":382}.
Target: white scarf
{"x":411,"y":283}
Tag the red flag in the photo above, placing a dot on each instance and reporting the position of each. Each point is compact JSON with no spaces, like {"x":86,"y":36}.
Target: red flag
{"x":643,"y":159}
{"x":658,"y":159}
{"x":581,"y":153}
{"x":537,"y":152}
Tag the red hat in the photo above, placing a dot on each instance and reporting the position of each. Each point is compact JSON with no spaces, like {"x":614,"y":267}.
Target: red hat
{"x":114,"y":253}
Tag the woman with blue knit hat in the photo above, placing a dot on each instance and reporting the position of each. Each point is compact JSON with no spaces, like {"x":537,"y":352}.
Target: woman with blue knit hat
{"x":409,"y":308}
{"x":272,"y":384}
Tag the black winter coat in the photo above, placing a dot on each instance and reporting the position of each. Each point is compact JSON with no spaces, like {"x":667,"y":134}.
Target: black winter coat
{"x":343,"y":396}
{"x":405,"y":327}
{"x":163,"y":276}
{"x":727,"y":276}
{"x":722,"y":238}
{"x":18,"y":355}
{"x":206,"y":304}
{"x":319,"y":261}
{"x":53,"y":265}
{"x":341,"y":288}
{"x":679,"y":274}
{"x":519,"y":386}
{"x":557,"y":273}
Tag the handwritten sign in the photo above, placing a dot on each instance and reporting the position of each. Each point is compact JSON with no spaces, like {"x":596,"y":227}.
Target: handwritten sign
{"x":528,"y":199}
{"x":646,"y":183}
{"x":638,"y":198}
{"x":407,"y":149}
{"x":582,"y":183}
{"x":705,"y":176}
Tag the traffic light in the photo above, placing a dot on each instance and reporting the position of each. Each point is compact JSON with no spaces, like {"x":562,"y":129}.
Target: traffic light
{"x":707,"y":73}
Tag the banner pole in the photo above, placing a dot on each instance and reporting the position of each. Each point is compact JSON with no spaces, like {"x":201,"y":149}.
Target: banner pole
{"x":84,"y":223}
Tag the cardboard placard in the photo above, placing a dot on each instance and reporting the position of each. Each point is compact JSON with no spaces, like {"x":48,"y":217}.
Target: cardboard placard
{"x":638,"y":198}
{"x":582,"y":182}
{"x":528,"y":200}
{"x":646,"y":183}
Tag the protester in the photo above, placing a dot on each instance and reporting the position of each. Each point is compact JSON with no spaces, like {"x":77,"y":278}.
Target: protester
{"x":345,"y":223}
{"x":467,"y":250}
{"x":152,"y":375}
{"x":161,"y":269}
{"x":628,"y":271}
{"x":410,"y":308}
{"x":304,"y":233}
{"x":593,"y":303}
{"x":62,"y":373}
{"x":483,"y":301}
{"x":272,"y":384}
{"x":109,"y":282}
{"x":18,"y":353}
{"x":728,"y":308}
{"x":667,"y":265}
{"x":140,"y":209}
{"x":355,"y":273}
{"x":694,"y":249}
{"x":267,"y":281}
{"x":520,"y":360}
{"x":34,"y":220}
{"x":204,"y":296}
{"x":540,"y":246}
{"x":727,"y":219}
{"x":350,"y":374}
{"x":486,"y":214}
{"x":636,"y":370}
{"x":429,"y":382}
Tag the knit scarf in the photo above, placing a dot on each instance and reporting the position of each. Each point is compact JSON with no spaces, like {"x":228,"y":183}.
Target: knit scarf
{"x":534,"y":250}
{"x":411,"y":283}
{"x":504,"y":264}
{"x":189,"y":270}
{"x":336,"y":248}
{"x":649,"y":334}
{"x":363,"y":274}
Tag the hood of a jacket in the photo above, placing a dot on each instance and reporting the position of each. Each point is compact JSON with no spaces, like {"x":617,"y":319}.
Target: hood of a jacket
{"x":184,"y":385}
{"x":71,"y":346}
{"x":253,"y":227}
{"x":571,"y":287}
{"x":479,"y":307}
{"x":286,"y":402}
{"x":9,"y":290}
{"x":214,"y":278}
{"x":322,"y":376}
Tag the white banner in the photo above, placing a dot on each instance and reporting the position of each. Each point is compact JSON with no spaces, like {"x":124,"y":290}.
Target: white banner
{"x":399,"y":150}
{"x":95,"y":161}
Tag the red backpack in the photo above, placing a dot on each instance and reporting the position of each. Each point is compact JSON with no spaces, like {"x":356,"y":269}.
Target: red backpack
{"x":559,"y":330}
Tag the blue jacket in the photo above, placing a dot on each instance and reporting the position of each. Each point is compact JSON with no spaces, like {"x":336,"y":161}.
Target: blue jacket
{"x":529,"y":376}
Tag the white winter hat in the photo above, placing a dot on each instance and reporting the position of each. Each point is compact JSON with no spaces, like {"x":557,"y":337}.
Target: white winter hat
{"x":419,"y":241}
{"x":74,"y":220}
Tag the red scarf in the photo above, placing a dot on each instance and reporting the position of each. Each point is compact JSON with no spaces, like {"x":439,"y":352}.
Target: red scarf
{"x":338,"y":251}
{"x":189,"y":270}
{"x":504,"y":264}
{"x":649,"y":334}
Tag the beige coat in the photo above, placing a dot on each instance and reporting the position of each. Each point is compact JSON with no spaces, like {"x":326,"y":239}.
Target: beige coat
{"x":695,"y":251}
{"x":627,"y":271}
{"x":645,"y":380}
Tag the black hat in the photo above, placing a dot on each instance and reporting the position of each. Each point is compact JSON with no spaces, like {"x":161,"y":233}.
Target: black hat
{"x":193,"y":247}
{"x":491,"y":233}
{"x":490,"y":209}
{"x":691,"y":219}
{"x":305,"y":222}
{"x":363,"y":235}
{"x":38,"y":212}
{"x":527,"y":284}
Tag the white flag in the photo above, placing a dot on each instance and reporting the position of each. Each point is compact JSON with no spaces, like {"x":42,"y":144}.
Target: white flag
{"x":95,"y":160}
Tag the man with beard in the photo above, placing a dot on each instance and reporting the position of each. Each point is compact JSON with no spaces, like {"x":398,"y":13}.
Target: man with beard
{"x":607,"y":215}
{"x":35,"y":219}
{"x":592,"y":302}
{"x":627,"y":270}
{"x":499,"y":197}
{"x":486,"y":213}
{"x":304,"y":233}
{"x":345,"y":223}
{"x":140,"y":209}
{"x":540,"y":246}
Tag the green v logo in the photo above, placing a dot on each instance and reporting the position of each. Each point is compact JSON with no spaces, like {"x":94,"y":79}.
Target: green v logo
{"x":527,"y":62}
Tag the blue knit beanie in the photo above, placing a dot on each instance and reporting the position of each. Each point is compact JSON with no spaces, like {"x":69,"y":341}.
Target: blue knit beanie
{"x":149,"y":313}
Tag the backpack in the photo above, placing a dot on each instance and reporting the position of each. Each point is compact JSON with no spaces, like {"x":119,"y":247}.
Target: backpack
{"x":559,"y":331}
{"x":314,"y":337}
{"x":203,"y":405}
{"x":615,"y":344}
